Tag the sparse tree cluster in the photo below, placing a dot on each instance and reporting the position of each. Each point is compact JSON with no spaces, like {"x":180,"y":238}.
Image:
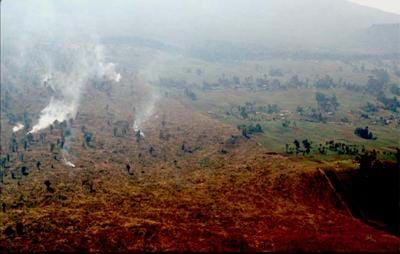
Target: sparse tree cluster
{"x":249,"y":130}
{"x":326,"y":103}
{"x":364,"y":133}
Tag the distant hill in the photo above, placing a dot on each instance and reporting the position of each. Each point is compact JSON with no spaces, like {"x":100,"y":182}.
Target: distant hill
{"x":300,"y":24}
{"x":382,"y":37}
{"x":284,"y":24}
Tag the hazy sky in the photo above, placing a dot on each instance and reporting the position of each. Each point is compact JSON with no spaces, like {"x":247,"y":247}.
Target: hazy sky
{"x":386,"y":5}
{"x":187,"y":23}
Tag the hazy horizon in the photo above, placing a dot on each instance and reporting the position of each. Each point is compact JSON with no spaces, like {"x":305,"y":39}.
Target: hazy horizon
{"x":384,"y":5}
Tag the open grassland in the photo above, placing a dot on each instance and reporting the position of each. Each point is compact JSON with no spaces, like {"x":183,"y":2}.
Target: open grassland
{"x":219,"y":100}
{"x":242,"y":199}
{"x":275,"y":136}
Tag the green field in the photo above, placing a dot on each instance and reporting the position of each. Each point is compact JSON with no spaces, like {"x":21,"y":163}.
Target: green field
{"x":219,"y":100}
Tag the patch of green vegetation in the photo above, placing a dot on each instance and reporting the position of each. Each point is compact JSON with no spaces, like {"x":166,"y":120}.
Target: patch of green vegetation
{"x":347,"y":80}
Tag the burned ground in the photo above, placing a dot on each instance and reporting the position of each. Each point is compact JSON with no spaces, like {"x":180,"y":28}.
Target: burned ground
{"x":193,"y":183}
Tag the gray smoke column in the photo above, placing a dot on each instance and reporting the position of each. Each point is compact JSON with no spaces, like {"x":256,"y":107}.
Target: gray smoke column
{"x":149,"y":75}
{"x":159,"y":65}
{"x":54,"y":42}
{"x":84,"y":62}
{"x":146,"y":110}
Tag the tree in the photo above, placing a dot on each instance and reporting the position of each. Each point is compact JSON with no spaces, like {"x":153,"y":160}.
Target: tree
{"x":236,"y":80}
{"x":324,"y":83}
{"x":189,"y":93}
{"x":13,"y":143}
{"x":29,"y":137}
{"x":366,"y":160}
{"x":286,"y":148}
{"x":307,"y":145}
{"x":25,"y":144}
{"x":19,"y":228}
{"x":390,"y":104}
{"x":370,"y":108}
{"x":138,"y":136}
{"x":243,"y":112}
{"x":326,"y":103}
{"x":24,"y":170}
{"x":321,"y":149}
{"x":47,"y":183}
{"x":245,"y":133}
{"x":364,"y":133}
{"x":297,"y":145}
{"x":87,"y":138}
{"x":3,"y":162}
{"x":248,"y":130}
{"x":276,"y":72}
{"x":374,"y":85}
{"x":1,"y":175}
{"x":382,"y":75}
{"x":395,"y":89}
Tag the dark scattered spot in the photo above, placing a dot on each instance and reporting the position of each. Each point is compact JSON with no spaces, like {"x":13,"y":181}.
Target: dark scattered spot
{"x":20,"y":228}
{"x":48,"y":186}
{"x":24,"y":171}
{"x":237,"y":243}
{"x":9,"y":231}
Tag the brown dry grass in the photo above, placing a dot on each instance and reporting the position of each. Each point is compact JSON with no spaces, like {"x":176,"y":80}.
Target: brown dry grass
{"x":245,"y":199}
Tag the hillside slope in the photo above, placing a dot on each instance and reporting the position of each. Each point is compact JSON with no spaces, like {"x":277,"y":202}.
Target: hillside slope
{"x":226,"y":194}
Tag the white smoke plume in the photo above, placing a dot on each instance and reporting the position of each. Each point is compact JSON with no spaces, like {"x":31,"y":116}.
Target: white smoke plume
{"x":86,"y":62}
{"x":148,"y":75}
{"x":105,"y":70}
{"x":18,"y":127}
{"x":68,"y":163}
{"x":109,"y":72}
{"x":66,"y":160}
{"x":56,"y":110}
{"x":50,"y":42}
{"x":145,"y":111}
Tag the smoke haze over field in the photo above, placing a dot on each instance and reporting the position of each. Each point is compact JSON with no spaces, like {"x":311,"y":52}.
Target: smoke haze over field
{"x":83,"y":64}
{"x":60,"y":38}
{"x":273,"y":23}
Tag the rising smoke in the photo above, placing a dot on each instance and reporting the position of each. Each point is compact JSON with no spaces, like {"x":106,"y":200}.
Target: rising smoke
{"x":148,"y":76}
{"x":68,"y":80}
{"x":18,"y":127}
{"x":47,"y":41}
{"x":68,"y":83}
{"x":144,"y":112}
